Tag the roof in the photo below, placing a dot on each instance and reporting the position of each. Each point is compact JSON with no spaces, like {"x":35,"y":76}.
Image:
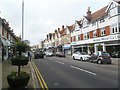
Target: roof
{"x":118,"y":1}
{"x":79,"y":23}
{"x":71,"y":27}
{"x":62,"y":32}
{"x":99,"y":13}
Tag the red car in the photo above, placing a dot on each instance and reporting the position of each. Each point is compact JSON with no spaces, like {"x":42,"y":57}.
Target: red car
{"x":60,"y":54}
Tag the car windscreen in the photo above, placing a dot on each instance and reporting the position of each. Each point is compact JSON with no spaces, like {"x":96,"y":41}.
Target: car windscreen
{"x":105,"y":54}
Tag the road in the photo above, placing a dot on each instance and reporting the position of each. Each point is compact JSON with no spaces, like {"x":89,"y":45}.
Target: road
{"x":61,"y":72}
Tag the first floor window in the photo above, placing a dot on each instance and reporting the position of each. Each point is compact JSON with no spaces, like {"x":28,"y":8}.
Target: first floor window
{"x":102,"y":31}
{"x":94,"y":33}
{"x":115,"y":28}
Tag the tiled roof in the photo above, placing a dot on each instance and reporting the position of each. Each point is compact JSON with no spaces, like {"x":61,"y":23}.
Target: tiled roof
{"x":99,"y":13}
{"x":118,"y":1}
{"x":79,"y":23}
{"x":71,"y":27}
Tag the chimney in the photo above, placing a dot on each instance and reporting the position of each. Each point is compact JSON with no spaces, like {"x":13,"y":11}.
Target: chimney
{"x":89,"y":13}
{"x":62,"y":27}
{"x":58,"y":29}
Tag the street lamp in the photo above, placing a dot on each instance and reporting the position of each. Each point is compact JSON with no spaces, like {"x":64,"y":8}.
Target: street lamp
{"x":22,"y":19}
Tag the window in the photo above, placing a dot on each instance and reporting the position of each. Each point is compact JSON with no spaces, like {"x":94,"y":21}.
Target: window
{"x":114,"y":29}
{"x":94,"y":23}
{"x":78,"y":37}
{"x":102,"y":31}
{"x":113,"y":11}
{"x":119,"y":26}
{"x":85,"y":24}
{"x":73,"y":38}
{"x":102,"y":20}
{"x":86,"y":36}
{"x":95,"y":33}
{"x":118,"y":9}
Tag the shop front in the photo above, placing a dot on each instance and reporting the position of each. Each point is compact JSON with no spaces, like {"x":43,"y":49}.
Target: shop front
{"x":109,"y":43}
{"x":67,"y":49}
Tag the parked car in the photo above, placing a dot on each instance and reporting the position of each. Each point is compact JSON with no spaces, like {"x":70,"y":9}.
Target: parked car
{"x":60,"y":54}
{"x":115,"y":54}
{"x":48,"y":54}
{"x":101,"y":57}
{"x":38,"y":54}
{"x":81,"y":56}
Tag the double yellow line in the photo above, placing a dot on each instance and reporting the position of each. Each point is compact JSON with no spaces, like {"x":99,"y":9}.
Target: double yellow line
{"x":40,"y":78}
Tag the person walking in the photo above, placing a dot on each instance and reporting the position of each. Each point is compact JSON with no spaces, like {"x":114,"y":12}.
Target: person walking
{"x":29,"y":55}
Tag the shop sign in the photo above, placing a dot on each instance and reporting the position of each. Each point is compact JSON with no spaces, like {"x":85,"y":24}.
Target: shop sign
{"x":107,"y":38}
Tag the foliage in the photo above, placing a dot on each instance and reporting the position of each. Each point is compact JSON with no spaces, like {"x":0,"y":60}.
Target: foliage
{"x":19,"y":58}
{"x":100,"y":47}
{"x":21,"y":47}
{"x":15,"y":75}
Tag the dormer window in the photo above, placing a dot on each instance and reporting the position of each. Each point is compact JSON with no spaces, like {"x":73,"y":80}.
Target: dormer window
{"x":102,"y":20}
{"x":94,"y":23}
{"x":85,"y":24}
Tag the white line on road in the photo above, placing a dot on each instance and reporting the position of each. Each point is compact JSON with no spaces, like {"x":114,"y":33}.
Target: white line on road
{"x":83,"y":70}
{"x":59,"y":62}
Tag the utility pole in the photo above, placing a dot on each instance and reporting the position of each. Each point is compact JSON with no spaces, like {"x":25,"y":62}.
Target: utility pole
{"x":23,"y":20}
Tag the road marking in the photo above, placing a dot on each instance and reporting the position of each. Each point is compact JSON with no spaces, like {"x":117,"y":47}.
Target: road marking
{"x":40,"y":78}
{"x":59,"y":62}
{"x":83,"y":70}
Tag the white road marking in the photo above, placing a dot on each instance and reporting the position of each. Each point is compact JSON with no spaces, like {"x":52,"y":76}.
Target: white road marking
{"x":59,"y":62}
{"x":83,"y":70}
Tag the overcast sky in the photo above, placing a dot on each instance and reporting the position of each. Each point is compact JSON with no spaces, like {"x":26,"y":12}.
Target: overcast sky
{"x":44,"y":16}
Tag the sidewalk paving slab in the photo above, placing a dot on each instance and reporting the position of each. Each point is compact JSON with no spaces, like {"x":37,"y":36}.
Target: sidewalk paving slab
{"x":6,"y":70}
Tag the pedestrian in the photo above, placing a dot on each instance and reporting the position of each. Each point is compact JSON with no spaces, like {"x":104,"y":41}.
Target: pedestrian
{"x":29,"y":55}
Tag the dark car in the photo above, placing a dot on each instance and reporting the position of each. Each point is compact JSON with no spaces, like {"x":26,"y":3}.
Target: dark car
{"x":38,"y":54}
{"x":101,"y":57}
{"x":115,"y":54}
{"x":60,"y":54}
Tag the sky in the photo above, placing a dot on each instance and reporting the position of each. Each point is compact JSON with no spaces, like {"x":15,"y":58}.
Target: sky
{"x":44,"y":16}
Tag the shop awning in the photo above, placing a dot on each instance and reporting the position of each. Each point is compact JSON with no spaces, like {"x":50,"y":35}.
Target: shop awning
{"x":66,"y":46}
{"x":8,"y":43}
{"x":3,"y":42}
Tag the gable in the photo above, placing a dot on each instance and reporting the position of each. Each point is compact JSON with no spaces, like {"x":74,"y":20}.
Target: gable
{"x":112,"y":4}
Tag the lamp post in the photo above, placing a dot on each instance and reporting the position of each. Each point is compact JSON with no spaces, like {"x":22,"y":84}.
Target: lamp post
{"x":22,"y":19}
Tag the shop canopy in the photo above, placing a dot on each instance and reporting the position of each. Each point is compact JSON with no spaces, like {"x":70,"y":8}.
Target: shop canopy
{"x":5,"y":42}
{"x":66,"y":46}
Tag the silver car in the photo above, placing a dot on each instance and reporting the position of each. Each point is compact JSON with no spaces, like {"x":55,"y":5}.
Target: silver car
{"x":100,"y":57}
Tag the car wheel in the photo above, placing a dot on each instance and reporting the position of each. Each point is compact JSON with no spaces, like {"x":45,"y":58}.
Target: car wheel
{"x":73,"y":58}
{"x":81,"y":59}
{"x":99,"y":62}
{"x":90,"y":60}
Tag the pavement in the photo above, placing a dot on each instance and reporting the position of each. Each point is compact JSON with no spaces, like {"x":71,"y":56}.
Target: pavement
{"x":6,"y":69}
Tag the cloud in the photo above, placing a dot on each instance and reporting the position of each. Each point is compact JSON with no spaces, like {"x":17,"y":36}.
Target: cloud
{"x":44,"y":16}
